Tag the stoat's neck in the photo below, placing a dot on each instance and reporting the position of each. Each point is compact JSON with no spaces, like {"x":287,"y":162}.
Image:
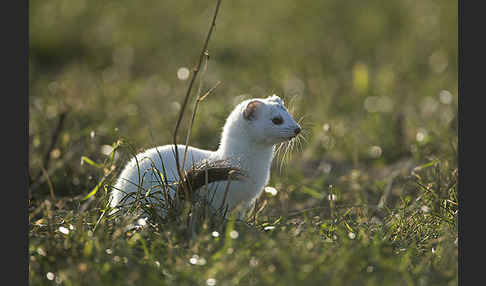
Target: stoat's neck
{"x":251,"y":156}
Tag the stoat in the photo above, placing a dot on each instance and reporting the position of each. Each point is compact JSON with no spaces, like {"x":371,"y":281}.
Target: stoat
{"x":248,"y":141}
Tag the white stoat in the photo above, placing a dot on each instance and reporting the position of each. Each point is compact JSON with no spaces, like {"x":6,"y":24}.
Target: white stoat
{"x":249,"y":136}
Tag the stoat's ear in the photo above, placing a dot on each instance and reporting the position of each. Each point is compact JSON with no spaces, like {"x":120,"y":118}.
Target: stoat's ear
{"x":275,"y":98}
{"x":251,"y":109}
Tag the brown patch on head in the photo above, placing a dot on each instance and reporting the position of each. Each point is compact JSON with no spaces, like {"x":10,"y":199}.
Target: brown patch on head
{"x":250,"y":111}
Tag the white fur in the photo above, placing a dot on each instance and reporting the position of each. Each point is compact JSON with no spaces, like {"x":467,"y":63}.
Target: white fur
{"x":246,"y":143}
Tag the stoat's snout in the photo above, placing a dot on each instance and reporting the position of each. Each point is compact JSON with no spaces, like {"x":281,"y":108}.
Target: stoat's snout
{"x":292,"y":134}
{"x":296,"y":132}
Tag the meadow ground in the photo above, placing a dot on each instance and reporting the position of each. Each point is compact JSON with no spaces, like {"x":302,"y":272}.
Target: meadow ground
{"x":369,"y":198}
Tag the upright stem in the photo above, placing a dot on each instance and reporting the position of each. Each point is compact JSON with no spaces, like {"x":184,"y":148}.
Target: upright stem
{"x":193,"y":77}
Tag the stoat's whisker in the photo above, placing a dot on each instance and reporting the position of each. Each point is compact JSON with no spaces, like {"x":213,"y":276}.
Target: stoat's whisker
{"x":285,"y":158}
{"x":303,"y":141}
{"x":301,"y":119}
{"x":288,"y":148}
{"x":302,"y":136}
{"x":291,"y":104}
{"x":279,"y":154}
{"x":279,"y":148}
{"x":297,"y":143}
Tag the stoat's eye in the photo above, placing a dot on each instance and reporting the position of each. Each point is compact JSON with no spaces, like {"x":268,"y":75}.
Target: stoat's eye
{"x":277,"y":120}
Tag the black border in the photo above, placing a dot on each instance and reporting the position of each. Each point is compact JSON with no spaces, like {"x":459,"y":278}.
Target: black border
{"x":471,"y":50}
{"x":15,"y":120}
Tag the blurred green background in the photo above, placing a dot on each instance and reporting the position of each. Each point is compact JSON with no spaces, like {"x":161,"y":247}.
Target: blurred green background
{"x":376,"y":81}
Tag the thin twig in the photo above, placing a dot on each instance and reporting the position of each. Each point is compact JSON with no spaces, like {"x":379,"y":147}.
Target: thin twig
{"x":196,"y":104}
{"x":51,"y":187}
{"x":55,"y":135}
{"x":193,"y":77}
{"x":47,"y":155}
{"x":198,"y":94}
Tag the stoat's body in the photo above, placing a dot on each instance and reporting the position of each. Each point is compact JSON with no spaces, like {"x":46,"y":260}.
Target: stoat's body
{"x":249,"y":135}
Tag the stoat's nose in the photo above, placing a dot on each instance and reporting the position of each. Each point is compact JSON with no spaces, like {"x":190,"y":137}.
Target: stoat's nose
{"x":297,"y":130}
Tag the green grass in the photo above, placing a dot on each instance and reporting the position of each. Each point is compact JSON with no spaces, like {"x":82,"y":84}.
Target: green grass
{"x":375,"y":83}
{"x":415,"y":243}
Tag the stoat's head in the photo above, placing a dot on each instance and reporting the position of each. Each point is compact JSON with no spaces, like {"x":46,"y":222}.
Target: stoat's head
{"x":267,"y":121}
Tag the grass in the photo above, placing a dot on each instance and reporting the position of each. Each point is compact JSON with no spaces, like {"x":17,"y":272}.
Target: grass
{"x":415,"y":243}
{"x":368,"y":198}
